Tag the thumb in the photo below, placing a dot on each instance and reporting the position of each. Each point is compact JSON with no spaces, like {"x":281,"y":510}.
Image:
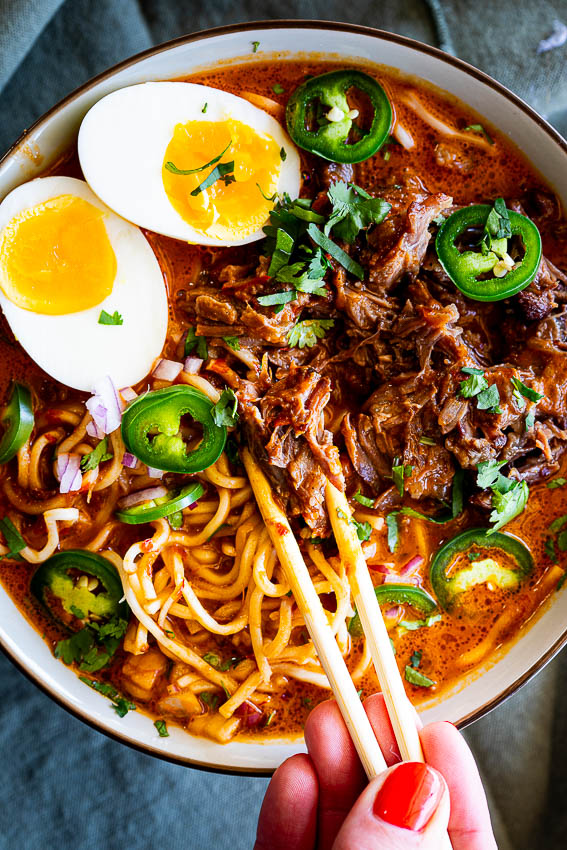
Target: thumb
{"x":405,"y":807}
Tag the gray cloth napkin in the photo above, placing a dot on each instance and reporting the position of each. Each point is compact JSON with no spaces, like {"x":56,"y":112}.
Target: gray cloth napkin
{"x":66,"y":785}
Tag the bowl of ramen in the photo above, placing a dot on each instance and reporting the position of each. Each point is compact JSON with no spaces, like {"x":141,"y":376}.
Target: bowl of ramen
{"x":345,"y":251}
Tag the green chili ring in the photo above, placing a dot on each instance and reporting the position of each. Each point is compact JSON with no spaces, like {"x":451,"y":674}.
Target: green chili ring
{"x":330,"y":141}
{"x":18,"y":420}
{"x":397,"y":594}
{"x":158,"y":508}
{"x":465,"y":268}
{"x":447,"y":589}
{"x":158,"y":414}
{"x":51,"y":581}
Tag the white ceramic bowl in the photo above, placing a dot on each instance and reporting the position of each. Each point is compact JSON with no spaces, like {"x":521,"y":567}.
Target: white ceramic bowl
{"x":49,"y":137}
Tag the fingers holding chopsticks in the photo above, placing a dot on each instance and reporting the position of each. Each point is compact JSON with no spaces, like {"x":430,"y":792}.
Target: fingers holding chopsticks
{"x":405,"y":807}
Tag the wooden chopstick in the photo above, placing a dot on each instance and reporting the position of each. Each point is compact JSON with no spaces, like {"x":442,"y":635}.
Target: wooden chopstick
{"x":400,"y":710}
{"x":308,"y":602}
{"x":398,"y":705}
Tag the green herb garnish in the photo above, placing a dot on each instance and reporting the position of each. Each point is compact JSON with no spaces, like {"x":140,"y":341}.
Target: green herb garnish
{"x":92,"y":459}
{"x":277,"y":88}
{"x":195,"y":342}
{"x":110,"y":318}
{"x":363,"y":500}
{"x":174,"y":170}
{"x":225,"y":411}
{"x":478,"y":128}
{"x":329,"y":247}
{"x":306,"y":333}
{"x":414,"y":677}
{"x":121,"y":706}
{"x":161,"y":726}
{"x":232,"y":342}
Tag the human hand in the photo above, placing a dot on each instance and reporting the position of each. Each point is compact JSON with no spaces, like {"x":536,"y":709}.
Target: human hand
{"x":322,"y":801}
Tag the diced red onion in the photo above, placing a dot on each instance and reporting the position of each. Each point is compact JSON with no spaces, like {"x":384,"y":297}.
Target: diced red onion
{"x":380,"y":568}
{"x":395,"y":578}
{"x":106,"y":406}
{"x":69,"y":472}
{"x":167,"y":370}
{"x":394,"y":612}
{"x":94,"y":431}
{"x":142,"y":496}
{"x":128,"y":394}
{"x":412,"y":566}
{"x":129,"y":460}
{"x":193,"y":365}
{"x":155,"y":473}
{"x":250,"y":713}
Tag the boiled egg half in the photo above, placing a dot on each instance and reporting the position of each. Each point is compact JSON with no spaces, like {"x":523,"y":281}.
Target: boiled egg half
{"x":80,"y":287}
{"x":188,"y":161}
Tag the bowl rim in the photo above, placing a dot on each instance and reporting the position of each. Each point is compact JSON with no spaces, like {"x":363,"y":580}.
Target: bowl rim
{"x":255,"y":26}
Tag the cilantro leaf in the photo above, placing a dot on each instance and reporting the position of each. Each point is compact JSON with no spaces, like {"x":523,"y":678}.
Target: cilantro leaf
{"x":161,"y":727}
{"x":414,"y":677}
{"x":174,"y":170}
{"x":353,"y":211}
{"x":509,"y":498}
{"x":556,"y":482}
{"x":224,"y":172}
{"x":277,"y":88}
{"x":93,"y":646}
{"x":393,"y":530}
{"x":489,"y":399}
{"x":192,"y":341}
{"x":335,"y":251}
{"x":277,"y":298}
{"x":526,"y":392}
{"x":364,"y":500}
{"x":415,"y":658}
{"x":473,"y":385}
{"x":110,"y":318}
{"x":399,"y":473}
{"x":121,"y":706}
{"x":363,"y":530}
{"x":92,"y":459}
{"x":232,"y":342}
{"x":225,"y":410}
{"x":478,"y":128}
{"x":488,"y":472}
{"x":14,"y":540}
{"x":530,"y":419}
{"x":306,"y":333}
{"x":255,"y":46}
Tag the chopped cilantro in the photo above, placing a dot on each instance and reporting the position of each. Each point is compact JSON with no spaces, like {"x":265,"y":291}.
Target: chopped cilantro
{"x":363,"y":530}
{"x":497,"y":224}
{"x":283,"y":154}
{"x":530,"y":419}
{"x":224,"y":172}
{"x":558,"y":523}
{"x":470,"y":370}
{"x":161,"y":726}
{"x":526,"y":392}
{"x":562,"y":541}
{"x":277,"y":88}
{"x":306,"y":333}
{"x":192,"y":341}
{"x":204,"y":109}
{"x":174,"y":170}
{"x":337,"y":253}
{"x":225,"y":410}
{"x":277,"y":298}
{"x":393,"y":531}
{"x":110,"y":319}
{"x":364,"y":500}
{"x":489,"y":399}
{"x":93,"y":646}
{"x":210,"y":699}
{"x":474,"y":556}
{"x":509,"y":498}
{"x":478,"y":128}
{"x":121,"y":706}
{"x":473,"y":385}
{"x":353,"y":211}
{"x":270,"y":717}
{"x":414,"y":677}
{"x":556,"y":482}
{"x":488,"y":472}
{"x":415,"y":658}
{"x":255,"y":46}
{"x":12,"y":536}
{"x":232,"y":342}
{"x":399,"y":473}
{"x":92,"y":459}
{"x":80,"y":615}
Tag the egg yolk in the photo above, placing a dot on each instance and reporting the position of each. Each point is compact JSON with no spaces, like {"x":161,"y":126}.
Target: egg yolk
{"x":230,"y":208}
{"x":56,"y":257}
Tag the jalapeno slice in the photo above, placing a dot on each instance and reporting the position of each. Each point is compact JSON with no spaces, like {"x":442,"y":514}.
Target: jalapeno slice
{"x":175,"y":501}
{"x":151,"y":430}
{"x":330,"y":139}
{"x":465,"y":268}
{"x":17,"y":420}
{"x":58,"y":585}
{"x":481,"y":568}
{"x":397,"y":594}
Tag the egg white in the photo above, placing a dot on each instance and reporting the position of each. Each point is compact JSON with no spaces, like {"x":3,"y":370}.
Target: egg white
{"x":122,"y":144}
{"x":73,"y":348}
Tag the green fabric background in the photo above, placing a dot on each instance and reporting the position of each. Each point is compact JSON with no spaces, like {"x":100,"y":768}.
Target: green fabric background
{"x":64,"y":785}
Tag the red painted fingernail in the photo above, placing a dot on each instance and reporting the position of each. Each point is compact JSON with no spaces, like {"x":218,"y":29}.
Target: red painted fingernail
{"x":409,"y":797}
